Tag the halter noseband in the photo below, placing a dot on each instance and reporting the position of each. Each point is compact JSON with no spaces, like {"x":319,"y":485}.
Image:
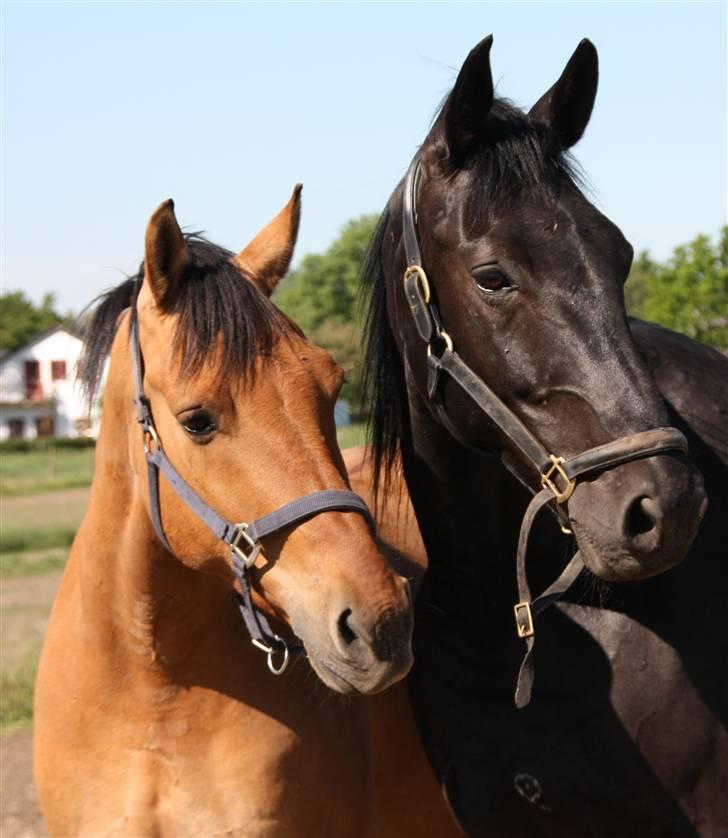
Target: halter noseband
{"x":243,"y":538}
{"x":558,"y":476}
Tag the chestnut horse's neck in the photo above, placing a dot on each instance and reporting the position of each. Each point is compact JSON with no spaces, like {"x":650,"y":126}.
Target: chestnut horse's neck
{"x":154,"y":612}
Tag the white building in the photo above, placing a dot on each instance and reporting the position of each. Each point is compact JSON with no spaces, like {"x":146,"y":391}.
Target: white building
{"x":39,"y":395}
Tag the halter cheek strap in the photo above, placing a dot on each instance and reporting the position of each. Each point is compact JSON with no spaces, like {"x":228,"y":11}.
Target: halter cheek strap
{"x":557,"y":476}
{"x":243,"y":538}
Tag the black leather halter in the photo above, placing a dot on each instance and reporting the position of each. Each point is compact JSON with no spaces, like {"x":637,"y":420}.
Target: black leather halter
{"x":243,"y":538}
{"x":557,"y":476}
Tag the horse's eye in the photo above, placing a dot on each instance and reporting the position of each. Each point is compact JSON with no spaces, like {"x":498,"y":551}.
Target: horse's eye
{"x":198,"y":423}
{"x":491,"y":279}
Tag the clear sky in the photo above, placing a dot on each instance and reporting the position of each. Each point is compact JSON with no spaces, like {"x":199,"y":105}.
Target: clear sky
{"x":110,"y":107}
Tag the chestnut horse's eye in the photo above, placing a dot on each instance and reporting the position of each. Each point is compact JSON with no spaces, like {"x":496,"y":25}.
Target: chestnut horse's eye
{"x":491,"y":279}
{"x":198,"y":423}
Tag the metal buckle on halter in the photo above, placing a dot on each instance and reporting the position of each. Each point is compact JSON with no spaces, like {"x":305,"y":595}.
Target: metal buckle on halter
{"x":561,"y":495}
{"x":524,"y":627}
{"x":421,"y":280}
{"x":248,"y":559}
{"x":270,"y":651}
{"x":149,"y":435}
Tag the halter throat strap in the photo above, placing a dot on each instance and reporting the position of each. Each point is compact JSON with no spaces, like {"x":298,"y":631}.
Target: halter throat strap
{"x":558,"y":476}
{"x":243,"y":538}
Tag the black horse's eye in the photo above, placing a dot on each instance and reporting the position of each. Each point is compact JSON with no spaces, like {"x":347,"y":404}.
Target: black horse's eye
{"x":198,"y":423}
{"x":491,"y":279}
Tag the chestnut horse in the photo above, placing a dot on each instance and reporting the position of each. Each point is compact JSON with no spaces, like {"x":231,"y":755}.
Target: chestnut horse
{"x":497,"y":331}
{"x":154,"y":714}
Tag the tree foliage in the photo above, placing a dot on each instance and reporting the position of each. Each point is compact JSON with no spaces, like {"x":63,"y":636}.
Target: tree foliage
{"x":21,"y":320}
{"x":688,"y":293}
{"x":322,"y":296}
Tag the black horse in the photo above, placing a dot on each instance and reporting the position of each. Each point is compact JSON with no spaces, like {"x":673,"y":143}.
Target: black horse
{"x":625,"y":733}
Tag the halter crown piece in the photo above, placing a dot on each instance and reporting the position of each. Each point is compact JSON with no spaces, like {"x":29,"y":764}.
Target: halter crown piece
{"x":243,"y":538}
{"x":557,"y":476}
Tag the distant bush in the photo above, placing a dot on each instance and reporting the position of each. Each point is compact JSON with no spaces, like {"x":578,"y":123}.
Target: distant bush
{"x":46,"y":443}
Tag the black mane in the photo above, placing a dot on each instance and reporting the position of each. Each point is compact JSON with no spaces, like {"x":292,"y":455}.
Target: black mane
{"x":212,"y":302}
{"x":520,"y":155}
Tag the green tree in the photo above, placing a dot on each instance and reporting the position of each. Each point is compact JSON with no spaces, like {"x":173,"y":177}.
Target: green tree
{"x":21,"y":320}
{"x":689,"y":293}
{"x":322,"y":296}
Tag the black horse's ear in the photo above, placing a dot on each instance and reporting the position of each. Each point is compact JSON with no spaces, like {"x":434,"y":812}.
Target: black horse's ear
{"x":165,"y":252}
{"x":567,"y":106}
{"x":469,"y":102}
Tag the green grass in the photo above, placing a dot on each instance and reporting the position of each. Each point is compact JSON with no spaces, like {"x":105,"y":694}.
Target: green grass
{"x":351,"y":435}
{"x":16,"y":694}
{"x":39,"y":538}
{"x":32,"y":563}
{"x":26,"y":472}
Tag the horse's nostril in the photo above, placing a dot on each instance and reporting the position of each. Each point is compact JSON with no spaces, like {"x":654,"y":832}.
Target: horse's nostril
{"x":641,"y":517}
{"x":346,"y":633}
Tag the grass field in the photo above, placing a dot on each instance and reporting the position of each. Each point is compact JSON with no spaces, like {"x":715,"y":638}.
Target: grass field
{"x":25,"y":472}
{"x":34,"y":538}
{"x":351,"y":435}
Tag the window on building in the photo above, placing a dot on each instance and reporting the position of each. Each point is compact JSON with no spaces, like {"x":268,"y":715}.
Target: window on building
{"x":32,"y":380}
{"x":44,"y":426}
{"x":16,"y":428}
{"x":58,"y":370}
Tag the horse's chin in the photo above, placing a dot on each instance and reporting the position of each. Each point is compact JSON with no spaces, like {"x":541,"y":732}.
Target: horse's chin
{"x":613,"y":562}
{"x":343,"y":678}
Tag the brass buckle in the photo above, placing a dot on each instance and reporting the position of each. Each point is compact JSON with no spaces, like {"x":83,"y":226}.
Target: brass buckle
{"x":524,"y":629}
{"x":421,"y":280}
{"x":248,"y":559}
{"x":561,"y":495}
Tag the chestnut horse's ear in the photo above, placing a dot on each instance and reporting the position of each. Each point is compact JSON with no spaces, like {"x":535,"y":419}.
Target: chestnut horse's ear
{"x":267,"y":257}
{"x":469,"y":102}
{"x":567,"y":106}
{"x":165,"y":252}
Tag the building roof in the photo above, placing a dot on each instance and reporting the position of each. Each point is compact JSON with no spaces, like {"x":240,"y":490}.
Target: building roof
{"x":6,"y":354}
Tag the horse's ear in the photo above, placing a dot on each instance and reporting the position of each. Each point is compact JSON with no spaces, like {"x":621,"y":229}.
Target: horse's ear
{"x":165,"y":252}
{"x":469,"y":102}
{"x":567,"y":106}
{"x":267,"y":257}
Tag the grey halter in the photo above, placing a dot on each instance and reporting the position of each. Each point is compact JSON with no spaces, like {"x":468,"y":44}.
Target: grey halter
{"x":557,"y":476}
{"x":244,"y":539}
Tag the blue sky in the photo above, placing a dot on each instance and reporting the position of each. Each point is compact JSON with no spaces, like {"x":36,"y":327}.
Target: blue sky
{"x":110,"y":107}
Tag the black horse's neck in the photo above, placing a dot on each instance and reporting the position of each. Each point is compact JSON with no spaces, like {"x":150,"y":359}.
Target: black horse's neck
{"x":469,"y":509}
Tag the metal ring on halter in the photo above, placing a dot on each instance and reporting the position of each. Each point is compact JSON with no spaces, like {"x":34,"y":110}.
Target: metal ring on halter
{"x":443,"y":336}
{"x":270,"y":651}
{"x":147,"y":434}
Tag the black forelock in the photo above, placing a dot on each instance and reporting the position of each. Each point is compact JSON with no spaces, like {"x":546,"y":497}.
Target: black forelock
{"x":517,"y":155}
{"x":217,"y":311}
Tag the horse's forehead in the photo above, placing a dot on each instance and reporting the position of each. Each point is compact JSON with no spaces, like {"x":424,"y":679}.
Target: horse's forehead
{"x":296,"y":356}
{"x":529,"y":222}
